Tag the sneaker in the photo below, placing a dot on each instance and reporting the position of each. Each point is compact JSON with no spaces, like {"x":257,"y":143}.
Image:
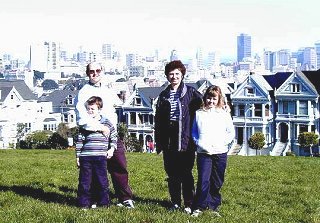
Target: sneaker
{"x":128,"y":204}
{"x":187,"y":210}
{"x":120,"y":205}
{"x":175,"y":207}
{"x":216,"y":214}
{"x":94,"y":206}
{"x":196,"y":213}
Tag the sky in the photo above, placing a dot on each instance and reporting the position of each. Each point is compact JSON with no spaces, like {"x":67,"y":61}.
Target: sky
{"x":144,"y":25}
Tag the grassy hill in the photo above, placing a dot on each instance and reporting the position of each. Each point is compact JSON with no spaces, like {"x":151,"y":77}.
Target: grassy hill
{"x":41,"y":185}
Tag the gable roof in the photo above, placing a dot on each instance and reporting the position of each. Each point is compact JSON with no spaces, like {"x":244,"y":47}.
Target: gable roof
{"x":277,"y":79}
{"x":148,"y":93}
{"x":58,"y":97}
{"x":313,"y":77}
{"x":25,"y":92}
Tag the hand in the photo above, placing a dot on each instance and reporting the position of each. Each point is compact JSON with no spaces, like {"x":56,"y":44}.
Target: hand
{"x":78,"y":162}
{"x":110,"y":153}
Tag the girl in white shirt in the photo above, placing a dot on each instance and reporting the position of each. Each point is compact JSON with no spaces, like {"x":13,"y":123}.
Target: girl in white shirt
{"x":212,"y":132}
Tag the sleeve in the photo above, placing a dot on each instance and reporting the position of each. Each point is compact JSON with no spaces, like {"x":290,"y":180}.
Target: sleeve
{"x":195,"y":130}
{"x":113,"y":137}
{"x":157,"y":128}
{"x":79,"y":145}
{"x":230,"y":132}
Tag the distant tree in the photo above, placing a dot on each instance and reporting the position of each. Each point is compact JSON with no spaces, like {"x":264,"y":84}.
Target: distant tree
{"x":132,"y":143}
{"x":38,"y":140}
{"x":122,"y":131}
{"x":20,"y":131}
{"x":56,"y":141}
{"x":257,"y":141}
{"x":308,"y":140}
{"x":63,"y":130}
{"x":49,"y":84}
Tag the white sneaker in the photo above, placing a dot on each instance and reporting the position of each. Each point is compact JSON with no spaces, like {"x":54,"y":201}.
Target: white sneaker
{"x":196,"y":213}
{"x":128,"y":204}
{"x":187,"y":210}
{"x":174,"y":207}
{"x":94,"y":206}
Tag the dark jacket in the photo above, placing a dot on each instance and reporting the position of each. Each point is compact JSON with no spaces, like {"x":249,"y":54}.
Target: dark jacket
{"x":190,"y":101}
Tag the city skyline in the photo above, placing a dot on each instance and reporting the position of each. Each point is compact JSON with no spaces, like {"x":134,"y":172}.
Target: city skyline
{"x":144,"y":26}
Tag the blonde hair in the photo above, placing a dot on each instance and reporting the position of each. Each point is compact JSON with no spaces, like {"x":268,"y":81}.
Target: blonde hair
{"x":213,"y":91}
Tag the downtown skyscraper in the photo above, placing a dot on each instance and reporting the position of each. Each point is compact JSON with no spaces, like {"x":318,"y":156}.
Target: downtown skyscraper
{"x":243,"y":46}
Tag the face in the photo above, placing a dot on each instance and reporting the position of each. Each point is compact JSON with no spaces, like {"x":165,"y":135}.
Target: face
{"x":93,"y":110}
{"x":94,"y":73}
{"x":212,"y":101}
{"x":175,"y":77}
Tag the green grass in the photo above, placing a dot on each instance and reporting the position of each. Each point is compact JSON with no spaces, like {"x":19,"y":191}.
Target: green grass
{"x":41,"y":185}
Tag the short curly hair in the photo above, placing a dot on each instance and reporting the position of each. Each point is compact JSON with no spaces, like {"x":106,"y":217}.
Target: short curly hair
{"x":175,"y":64}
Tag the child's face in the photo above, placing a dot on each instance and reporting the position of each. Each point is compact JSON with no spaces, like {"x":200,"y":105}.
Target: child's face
{"x":211,"y":101}
{"x":93,"y":110}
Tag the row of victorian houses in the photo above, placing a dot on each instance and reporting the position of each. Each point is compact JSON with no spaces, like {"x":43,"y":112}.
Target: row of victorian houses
{"x":281,"y":106}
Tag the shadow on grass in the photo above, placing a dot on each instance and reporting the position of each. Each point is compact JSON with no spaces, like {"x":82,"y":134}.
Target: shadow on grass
{"x":40,"y":194}
{"x":52,"y":197}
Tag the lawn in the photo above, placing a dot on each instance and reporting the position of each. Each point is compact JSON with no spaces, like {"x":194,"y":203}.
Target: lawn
{"x":41,"y":185}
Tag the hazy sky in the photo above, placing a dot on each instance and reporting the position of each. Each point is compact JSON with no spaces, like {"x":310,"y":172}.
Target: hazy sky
{"x":143,"y":25}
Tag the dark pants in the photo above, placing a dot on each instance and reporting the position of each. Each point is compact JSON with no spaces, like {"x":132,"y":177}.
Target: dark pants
{"x":93,"y":167}
{"x":117,"y":167}
{"x":211,"y":171}
{"x":178,"y":166}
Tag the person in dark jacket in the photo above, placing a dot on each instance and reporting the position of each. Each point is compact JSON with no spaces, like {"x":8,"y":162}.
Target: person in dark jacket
{"x":174,"y":116}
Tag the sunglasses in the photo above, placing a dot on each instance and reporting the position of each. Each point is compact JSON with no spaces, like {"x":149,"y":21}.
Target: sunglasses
{"x":97,"y":71}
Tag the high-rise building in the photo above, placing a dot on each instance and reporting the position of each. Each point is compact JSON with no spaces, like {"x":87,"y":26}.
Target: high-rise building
{"x":309,"y":58}
{"x":243,"y":46}
{"x":317,"y":46}
{"x":174,"y":55}
{"x":199,"y":56}
{"x":107,"y":51}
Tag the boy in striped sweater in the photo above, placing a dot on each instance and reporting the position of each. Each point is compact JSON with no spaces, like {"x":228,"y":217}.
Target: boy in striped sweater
{"x":92,"y":150}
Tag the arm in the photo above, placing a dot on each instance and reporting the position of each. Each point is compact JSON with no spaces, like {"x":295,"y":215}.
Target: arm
{"x":79,"y":145}
{"x":230,"y":133}
{"x":195,"y":130}
{"x":113,"y":137}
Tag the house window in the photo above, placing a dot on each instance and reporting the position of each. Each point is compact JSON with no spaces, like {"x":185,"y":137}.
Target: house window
{"x":45,"y":127}
{"x":133,"y":118}
{"x":69,"y":100}
{"x":140,"y":116}
{"x":241,"y":110}
{"x":295,"y":88}
{"x":303,"y":108}
{"x":267,"y":110}
{"x":138,"y":101}
{"x":258,"y":110}
{"x":71,"y":118}
{"x":303,"y":128}
{"x":250,"y":91}
{"x":289,"y":107}
{"x":65,"y":118}
{"x":11,"y":96}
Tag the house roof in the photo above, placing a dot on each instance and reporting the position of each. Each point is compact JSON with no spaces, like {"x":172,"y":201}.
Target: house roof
{"x":149,"y":93}
{"x":313,"y":77}
{"x":6,"y":86}
{"x":276,"y":80}
{"x":58,"y":97}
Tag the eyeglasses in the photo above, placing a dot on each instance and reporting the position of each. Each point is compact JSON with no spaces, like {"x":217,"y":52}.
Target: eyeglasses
{"x":97,"y":71}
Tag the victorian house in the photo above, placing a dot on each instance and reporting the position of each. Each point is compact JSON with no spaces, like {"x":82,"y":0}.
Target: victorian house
{"x":295,"y":110}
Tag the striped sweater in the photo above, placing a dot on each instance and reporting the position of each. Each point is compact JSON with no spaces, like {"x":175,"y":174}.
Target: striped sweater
{"x":91,"y":143}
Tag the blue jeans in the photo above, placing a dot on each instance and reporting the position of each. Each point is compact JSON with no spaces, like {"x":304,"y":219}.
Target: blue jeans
{"x":211,"y":171}
{"x":93,"y":167}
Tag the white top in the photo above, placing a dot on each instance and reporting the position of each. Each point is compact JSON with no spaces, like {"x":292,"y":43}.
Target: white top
{"x":212,"y":131}
{"x":108,"y":110}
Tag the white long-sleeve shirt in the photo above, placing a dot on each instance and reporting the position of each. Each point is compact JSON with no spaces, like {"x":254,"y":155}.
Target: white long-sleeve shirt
{"x":108,"y":110}
{"x":212,"y":131}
